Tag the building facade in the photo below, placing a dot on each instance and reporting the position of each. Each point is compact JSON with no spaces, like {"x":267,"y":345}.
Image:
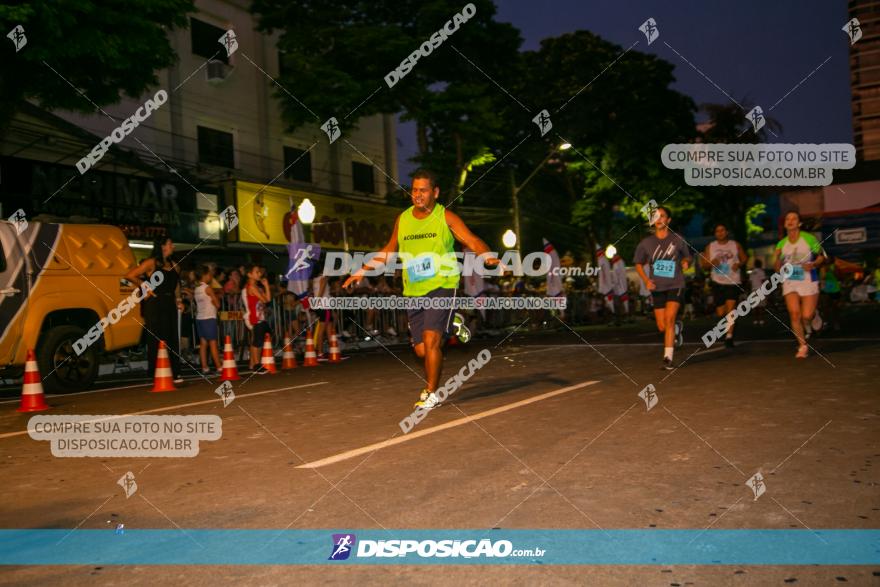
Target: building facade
{"x":864,"y":62}
{"x":218,"y":140}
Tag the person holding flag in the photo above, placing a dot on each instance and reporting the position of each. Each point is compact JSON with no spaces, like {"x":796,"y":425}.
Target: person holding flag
{"x":425,"y":234}
{"x":554,"y":279}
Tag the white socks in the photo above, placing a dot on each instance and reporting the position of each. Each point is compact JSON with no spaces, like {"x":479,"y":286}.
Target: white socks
{"x":667,"y":352}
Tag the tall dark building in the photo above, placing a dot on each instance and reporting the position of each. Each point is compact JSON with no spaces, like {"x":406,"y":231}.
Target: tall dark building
{"x":864,"y":63}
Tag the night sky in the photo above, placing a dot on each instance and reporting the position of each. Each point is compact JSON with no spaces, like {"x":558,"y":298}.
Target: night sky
{"x":757,"y":50}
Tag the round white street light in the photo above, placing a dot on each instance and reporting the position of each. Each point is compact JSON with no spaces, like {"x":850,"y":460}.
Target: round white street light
{"x":306,"y":211}
{"x":509,"y":239}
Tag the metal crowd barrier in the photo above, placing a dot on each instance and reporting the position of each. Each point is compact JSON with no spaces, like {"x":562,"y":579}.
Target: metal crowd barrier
{"x":288,"y":318}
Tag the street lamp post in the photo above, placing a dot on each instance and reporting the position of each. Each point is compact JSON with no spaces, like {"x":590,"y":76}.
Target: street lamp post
{"x":515,"y":189}
{"x":306,"y":213}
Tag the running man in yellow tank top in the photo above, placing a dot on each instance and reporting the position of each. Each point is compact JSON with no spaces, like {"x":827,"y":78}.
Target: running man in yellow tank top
{"x":424,"y":234}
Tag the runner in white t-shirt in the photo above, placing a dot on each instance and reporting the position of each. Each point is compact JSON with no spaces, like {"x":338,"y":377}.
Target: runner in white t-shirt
{"x":723,"y":258}
{"x":801,"y":288}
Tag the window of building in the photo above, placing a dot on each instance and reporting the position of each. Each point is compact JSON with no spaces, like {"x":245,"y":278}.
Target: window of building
{"x":206,"y":40}
{"x":216,"y":147}
{"x":362,"y":177}
{"x":297,"y":164}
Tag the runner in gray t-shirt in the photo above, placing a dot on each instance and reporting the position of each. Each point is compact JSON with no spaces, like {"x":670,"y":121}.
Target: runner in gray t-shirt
{"x":668,"y":256}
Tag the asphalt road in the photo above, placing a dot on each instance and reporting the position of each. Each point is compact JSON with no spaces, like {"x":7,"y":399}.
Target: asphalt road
{"x":550,"y":433}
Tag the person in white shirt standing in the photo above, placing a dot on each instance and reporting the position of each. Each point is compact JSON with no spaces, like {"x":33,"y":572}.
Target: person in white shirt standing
{"x":207,"y":304}
{"x":612,"y":281}
{"x":723,"y":257}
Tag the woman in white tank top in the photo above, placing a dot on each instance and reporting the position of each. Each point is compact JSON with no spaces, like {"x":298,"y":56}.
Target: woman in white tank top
{"x":724,"y":258}
{"x":207,"y":304}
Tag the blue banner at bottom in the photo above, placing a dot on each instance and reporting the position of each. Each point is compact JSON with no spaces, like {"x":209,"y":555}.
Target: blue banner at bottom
{"x":458,"y":547}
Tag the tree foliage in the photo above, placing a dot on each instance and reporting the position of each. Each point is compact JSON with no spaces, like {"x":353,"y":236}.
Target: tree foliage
{"x":100,"y":47}
{"x":336,"y":55}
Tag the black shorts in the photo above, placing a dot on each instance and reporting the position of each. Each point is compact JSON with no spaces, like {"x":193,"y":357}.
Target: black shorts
{"x":670,"y":295}
{"x":258,"y":334}
{"x":438,"y":320}
{"x":722,"y":292}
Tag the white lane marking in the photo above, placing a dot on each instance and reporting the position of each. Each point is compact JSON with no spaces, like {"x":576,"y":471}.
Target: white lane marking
{"x":49,"y":396}
{"x":349,"y":454}
{"x":738,"y":341}
{"x":189,"y":405}
{"x":15,"y":401}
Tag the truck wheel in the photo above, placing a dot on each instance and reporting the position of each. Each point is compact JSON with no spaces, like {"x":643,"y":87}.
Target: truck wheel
{"x":61,"y":368}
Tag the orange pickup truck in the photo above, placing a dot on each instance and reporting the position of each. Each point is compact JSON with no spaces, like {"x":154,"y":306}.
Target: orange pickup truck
{"x":57,"y":281}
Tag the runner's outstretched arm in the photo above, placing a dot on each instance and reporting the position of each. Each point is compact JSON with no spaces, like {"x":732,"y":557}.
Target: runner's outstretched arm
{"x":378,"y":260}
{"x":464,"y":235}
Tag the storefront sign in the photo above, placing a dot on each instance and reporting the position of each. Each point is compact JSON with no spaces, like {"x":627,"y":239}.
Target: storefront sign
{"x":264,"y":217}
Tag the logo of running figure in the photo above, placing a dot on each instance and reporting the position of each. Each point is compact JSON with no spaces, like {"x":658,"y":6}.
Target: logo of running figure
{"x":756,"y":484}
{"x":343,"y":544}
{"x":229,"y":42}
{"x":649,"y":28}
{"x":225,"y":392}
{"x":854,"y":29}
{"x":650,"y":398}
{"x":19,"y":220}
{"x":756,"y":117}
{"x":230,"y":217}
{"x":331,"y":127}
{"x":16,"y":35}
{"x":543,"y":122}
{"x":302,"y":260}
{"x":650,"y":211}
{"x":128,"y":484}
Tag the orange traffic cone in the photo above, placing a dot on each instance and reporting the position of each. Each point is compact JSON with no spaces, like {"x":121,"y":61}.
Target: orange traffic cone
{"x":32,"y":399}
{"x":163,"y":379}
{"x":230,"y":371}
{"x":335,"y":355}
{"x":310,"y":359}
{"x":288,"y":359}
{"x":268,"y":359}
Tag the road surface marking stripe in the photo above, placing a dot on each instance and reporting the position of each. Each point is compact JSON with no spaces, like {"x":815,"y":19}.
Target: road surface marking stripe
{"x":178,"y":406}
{"x":460,"y":421}
{"x":48,"y":396}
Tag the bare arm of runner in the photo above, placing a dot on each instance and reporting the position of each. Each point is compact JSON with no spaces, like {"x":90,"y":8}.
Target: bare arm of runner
{"x":648,"y":283}
{"x":815,"y":263}
{"x":375,"y":262}
{"x":464,"y":235}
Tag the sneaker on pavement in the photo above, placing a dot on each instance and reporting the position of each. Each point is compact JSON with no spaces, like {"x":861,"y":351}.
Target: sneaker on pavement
{"x":429,"y":403}
{"x":667,"y":364}
{"x":178,"y":379}
{"x":679,"y":333}
{"x":802,"y":353}
{"x":728,"y":342}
